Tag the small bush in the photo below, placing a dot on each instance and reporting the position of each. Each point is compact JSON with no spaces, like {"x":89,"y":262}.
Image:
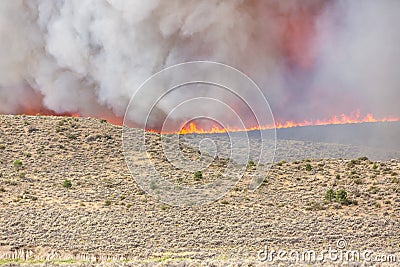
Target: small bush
{"x":225,"y":202}
{"x":330,"y":195}
{"x":198,"y":175}
{"x":280,"y":163}
{"x":72,"y":136}
{"x":153,"y":185}
{"x":67,"y":184}
{"x":17,"y":163}
{"x":107,"y":202}
{"x":251,"y":163}
{"x":353,"y":161}
{"x":341,"y":196}
{"x":375,"y":166}
{"x":308,"y":167}
{"x":2,"y":147}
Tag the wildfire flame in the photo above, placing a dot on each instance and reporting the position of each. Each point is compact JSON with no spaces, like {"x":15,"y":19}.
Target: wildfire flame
{"x":193,"y":128}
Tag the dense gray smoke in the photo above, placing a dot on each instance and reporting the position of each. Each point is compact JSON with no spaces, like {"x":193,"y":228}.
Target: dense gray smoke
{"x":312,"y":59}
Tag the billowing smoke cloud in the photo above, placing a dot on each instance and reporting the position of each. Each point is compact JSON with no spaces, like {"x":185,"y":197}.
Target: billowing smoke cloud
{"x":312,"y":59}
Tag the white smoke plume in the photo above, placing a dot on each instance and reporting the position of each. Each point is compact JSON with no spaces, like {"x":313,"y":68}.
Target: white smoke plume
{"x":311,"y":58}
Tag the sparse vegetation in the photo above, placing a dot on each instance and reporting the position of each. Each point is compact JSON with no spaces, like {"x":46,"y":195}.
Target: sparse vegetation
{"x":71,"y":136}
{"x":308,"y":167}
{"x":330,"y":195}
{"x":153,"y":185}
{"x":17,"y":163}
{"x":280,"y":163}
{"x":341,"y":196}
{"x":198,"y":175}
{"x":105,"y":199}
{"x":67,"y":184}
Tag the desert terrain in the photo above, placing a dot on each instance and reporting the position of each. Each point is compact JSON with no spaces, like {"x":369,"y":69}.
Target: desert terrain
{"x":67,"y":198}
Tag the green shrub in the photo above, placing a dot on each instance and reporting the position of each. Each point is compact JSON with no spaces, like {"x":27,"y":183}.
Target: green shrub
{"x":107,"y":202}
{"x":72,"y":136}
{"x":198,"y":175}
{"x":375,"y":166}
{"x":17,"y":163}
{"x":67,"y":184}
{"x":153,"y":185}
{"x":341,"y":196}
{"x":308,"y":167}
{"x":330,"y":195}
{"x":251,"y":163}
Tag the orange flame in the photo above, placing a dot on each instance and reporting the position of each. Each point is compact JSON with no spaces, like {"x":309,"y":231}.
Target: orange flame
{"x":192,"y":128}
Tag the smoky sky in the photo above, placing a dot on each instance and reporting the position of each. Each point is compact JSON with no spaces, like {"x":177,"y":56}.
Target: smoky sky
{"x":312,"y":59}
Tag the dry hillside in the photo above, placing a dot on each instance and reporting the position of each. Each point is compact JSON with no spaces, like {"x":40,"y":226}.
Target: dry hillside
{"x":102,"y":217}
